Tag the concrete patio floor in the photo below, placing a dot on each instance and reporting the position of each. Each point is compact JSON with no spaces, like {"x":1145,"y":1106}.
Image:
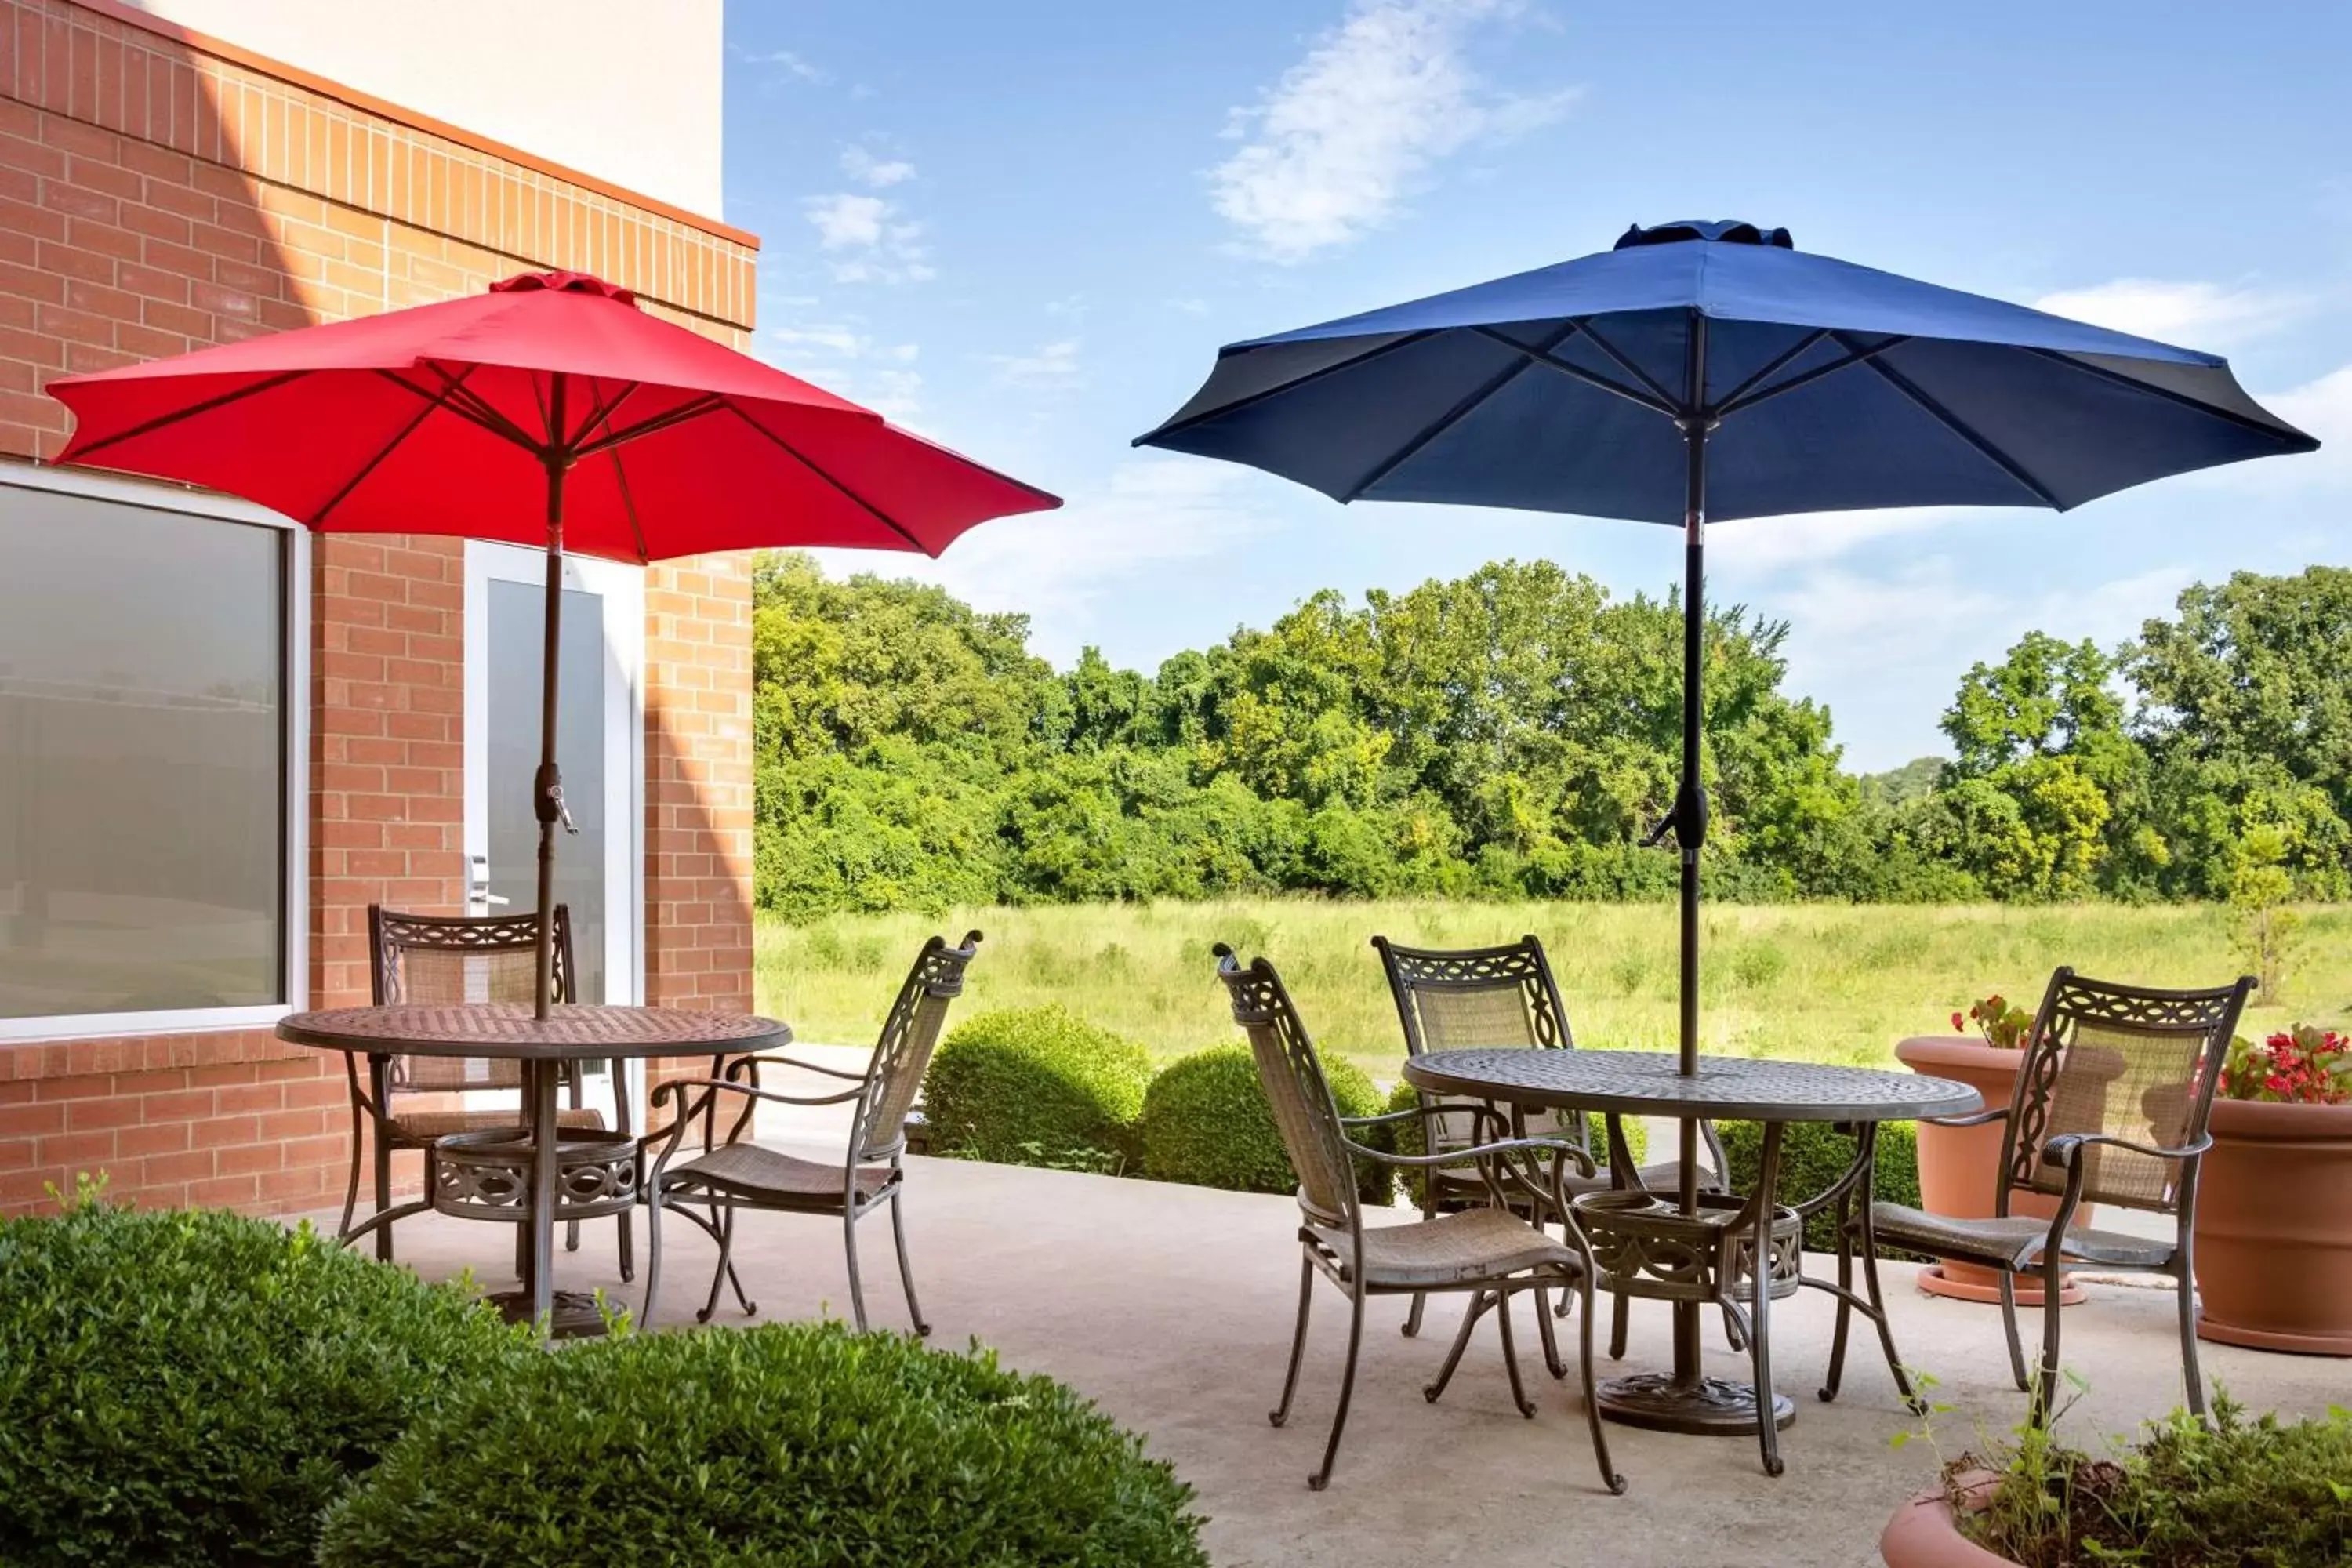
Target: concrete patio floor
{"x":1171,"y":1306}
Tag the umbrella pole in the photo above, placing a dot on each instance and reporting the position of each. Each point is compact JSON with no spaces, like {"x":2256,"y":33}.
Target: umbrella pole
{"x":547,"y":786}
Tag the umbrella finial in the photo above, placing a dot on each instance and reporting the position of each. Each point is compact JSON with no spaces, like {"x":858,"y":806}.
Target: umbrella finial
{"x":565,"y":283}
{"x":1727,"y":231}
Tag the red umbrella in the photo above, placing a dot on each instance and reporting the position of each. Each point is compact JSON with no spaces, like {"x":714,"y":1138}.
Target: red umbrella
{"x":549,"y":410}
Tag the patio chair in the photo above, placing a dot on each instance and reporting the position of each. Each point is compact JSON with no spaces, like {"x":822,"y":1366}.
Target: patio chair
{"x":421,"y":960}
{"x":1491,"y":996}
{"x":1490,"y":1252}
{"x":739,"y":1174}
{"x":2110,"y":1109}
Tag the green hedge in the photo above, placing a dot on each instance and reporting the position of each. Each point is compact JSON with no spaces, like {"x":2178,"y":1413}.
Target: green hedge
{"x":1206,"y":1122}
{"x":785,"y":1446}
{"x":1406,"y":1137}
{"x":1814,"y":1155}
{"x":186,"y":1389}
{"x":1036,"y":1086}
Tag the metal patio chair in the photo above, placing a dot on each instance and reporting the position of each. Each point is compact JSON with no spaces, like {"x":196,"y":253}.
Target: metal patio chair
{"x":421,"y":960}
{"x":1489,"y":1251}
{"x":738,"y":1173}
{"x":2110,"y":1109}
{"x":1467,"y":999}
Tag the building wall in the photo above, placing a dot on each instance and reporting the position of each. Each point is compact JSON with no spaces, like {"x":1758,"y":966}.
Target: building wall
{"x":628,"y":90}
{"x":155,"y":197}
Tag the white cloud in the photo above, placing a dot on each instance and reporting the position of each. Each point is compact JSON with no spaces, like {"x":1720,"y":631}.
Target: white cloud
{"x":1767,"y":544}
{"x":868,"y":169}
{"x":876,"y":244}
{"x":1190,"y":306}
{"x":1155,"y":513}
{"x":2186,"y":313}
{"x":851,"y":361}
{"x":1053,"y":364}
{"x":789,"y":64}
{"x":2320,"y":408}
{"x":1334,"y":148}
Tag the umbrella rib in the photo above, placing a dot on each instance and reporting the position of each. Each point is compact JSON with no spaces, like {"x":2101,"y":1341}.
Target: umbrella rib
{"x":1578,"y":373}
{"x":1854,"y":356}
{"x":1630,"y":368}
{"x":1771,"y":366}
{"x":1254,"y":398}
{"x":370,"y":467}
{"x":1958,"y":427}
{"x":629,"y":508}
{"x":706,"y":404}
{"x":794,"y":453}
{"x":2292,"y":438}
{"x":602,"y":414}
{"x":177,"y":415}
{"x":466,"y":403}
{"x":1460,"y":411}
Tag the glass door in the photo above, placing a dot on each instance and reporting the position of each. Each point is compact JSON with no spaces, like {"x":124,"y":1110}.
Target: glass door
{"x":599,"y":731}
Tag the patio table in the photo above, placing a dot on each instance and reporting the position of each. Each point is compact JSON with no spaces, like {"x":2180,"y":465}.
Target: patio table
{"x":1730,"y":1088}
{"x":508,"y":1177}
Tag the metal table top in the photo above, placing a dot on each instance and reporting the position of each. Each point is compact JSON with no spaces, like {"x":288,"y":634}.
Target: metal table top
{"x":508,"y":1030}
{"x":1729,"y":1088}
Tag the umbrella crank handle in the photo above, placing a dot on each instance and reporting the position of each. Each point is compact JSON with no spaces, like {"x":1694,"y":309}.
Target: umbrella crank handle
{"x":551,"y":806}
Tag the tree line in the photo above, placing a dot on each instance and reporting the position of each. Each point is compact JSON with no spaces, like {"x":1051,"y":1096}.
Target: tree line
{"x":1511,"y":734}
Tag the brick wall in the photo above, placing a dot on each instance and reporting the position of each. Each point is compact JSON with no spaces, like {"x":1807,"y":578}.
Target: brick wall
{"x":160,"y":192}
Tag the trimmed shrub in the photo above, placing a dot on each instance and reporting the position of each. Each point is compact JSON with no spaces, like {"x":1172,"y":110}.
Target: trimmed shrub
{"x":1814,"y":1155}
{"x":1206,"y":1122}
{"x":785,"y":1446}
{"x":184,"y":1388}
{"x":1405,"y":1138}
{"x":1036,"y":1086}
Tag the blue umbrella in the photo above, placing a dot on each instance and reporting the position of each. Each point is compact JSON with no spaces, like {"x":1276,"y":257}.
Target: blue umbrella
{"x":1703,"y":372}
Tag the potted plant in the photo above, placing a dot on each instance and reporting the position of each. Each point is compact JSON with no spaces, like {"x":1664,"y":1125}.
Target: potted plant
{"x":1960,"y":1167}
{"x":2275,"y":1207}
{"x":2188,"y":1495}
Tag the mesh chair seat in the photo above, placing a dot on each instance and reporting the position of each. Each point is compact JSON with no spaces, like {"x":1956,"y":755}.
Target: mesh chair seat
{"x":417,"y":1128}
{"x":1451,"y":1249}
{"x":2015,"y":1242}
{"x":766,"y":1178}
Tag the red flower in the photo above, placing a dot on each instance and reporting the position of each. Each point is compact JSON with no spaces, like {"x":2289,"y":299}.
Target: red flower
{"x":1959,"y":1021}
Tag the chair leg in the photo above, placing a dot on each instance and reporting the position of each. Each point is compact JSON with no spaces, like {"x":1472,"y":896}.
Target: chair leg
{"x":2009,"y":1325}
{"x":2186,"y":1285}
{"x":1621,"y":1322}
{"x":352,"y":1189}
{"x":1479,"y":1302}
{"x":857,"y":1290}
{"x":906,"y":1272}
{"x":653,"y":1252}
{"x":2045,"y":1378}
{"x":1608,"y":1476}
{"x":1281,"y":1413}
{"x":1420,"y":1298}
{"x":383,"y":1193}
{"x":725,"y":1264}
{"x":1552,"y":1362}
{"x":1322,"y":1477}
{"x":1760,"y":1352}
{"x":1511,"y":1354}
{"x":1911,"y":1396}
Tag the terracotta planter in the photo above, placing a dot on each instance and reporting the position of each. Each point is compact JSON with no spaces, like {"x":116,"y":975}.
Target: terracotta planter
{"x":2274,"y":1227}
{"x":1922,"y":1534}
{"x":1960,"y":1167}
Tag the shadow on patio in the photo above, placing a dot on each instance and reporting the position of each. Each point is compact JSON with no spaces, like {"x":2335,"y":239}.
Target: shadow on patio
{"x":1171,"y":1306}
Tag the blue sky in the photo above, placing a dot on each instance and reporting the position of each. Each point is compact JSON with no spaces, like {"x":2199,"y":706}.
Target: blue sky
{"x":1023,"y":228}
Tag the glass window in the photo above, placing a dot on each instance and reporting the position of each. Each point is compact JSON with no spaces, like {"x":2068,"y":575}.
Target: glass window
{"x":143,"y":742}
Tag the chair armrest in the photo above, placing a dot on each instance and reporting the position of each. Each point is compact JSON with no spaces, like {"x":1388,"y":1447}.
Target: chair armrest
{"x":795,"y":1062}
{"x":1394,"y":1116}
{"x":676,"y":1087}
{"x":1977,"y":1119}
{"x":2066,"y":1149}
{"x":1477,"y":1151}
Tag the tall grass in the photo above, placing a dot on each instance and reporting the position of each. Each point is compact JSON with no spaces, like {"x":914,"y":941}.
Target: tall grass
{"x":1824,"y":982}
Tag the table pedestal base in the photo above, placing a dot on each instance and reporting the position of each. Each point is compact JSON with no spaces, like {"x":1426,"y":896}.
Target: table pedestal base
{"x":573,"y":1317}
{"x":1712,"y":1406}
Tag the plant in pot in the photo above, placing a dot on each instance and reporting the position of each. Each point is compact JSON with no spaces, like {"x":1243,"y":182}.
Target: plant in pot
{"x":2189,"y":1494}
{"x":1960,"y":1167}
{"x":2274,"y":1211}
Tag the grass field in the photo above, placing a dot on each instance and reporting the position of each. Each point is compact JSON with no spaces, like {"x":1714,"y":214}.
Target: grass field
{"x":1826,"y":982}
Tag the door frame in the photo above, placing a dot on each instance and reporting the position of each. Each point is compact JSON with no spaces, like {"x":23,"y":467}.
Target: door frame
{"x":623,"y":590}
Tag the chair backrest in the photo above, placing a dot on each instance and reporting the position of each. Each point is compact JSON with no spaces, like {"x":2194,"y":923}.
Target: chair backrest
{"x":1477,"y":997}
{"x":903,"y":1055}
{"x":1292,"y":1074}
{"x":2120,"y":1061}
{"x":421,"y":960}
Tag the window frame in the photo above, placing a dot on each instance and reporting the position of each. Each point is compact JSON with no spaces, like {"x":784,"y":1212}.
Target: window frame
{"x":294,"y":730}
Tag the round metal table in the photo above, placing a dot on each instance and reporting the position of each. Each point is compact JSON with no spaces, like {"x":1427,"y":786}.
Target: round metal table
{"x":510,"y":1031}
{"x":1728,"y":1088}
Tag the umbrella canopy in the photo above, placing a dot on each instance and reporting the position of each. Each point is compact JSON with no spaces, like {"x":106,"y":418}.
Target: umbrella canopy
{"x":549,"y":411}
{"x":1831,"y":387}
